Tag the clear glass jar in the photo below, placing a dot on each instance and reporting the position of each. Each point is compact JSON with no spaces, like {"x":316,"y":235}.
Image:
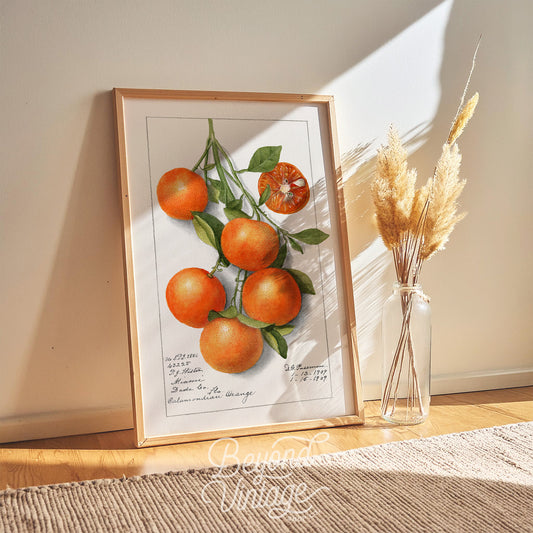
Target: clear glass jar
{"x":406,"y":336}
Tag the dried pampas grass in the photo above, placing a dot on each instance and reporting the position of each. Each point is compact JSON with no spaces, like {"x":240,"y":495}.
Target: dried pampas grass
{"x":465,"y":114}
{"x":393,"y":191}
{"x":415,"y":224}
{"x":412,"y":220}
{"x":442,"y":207}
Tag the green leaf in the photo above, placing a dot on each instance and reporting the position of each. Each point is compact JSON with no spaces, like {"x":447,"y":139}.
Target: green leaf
{"x":282,"y":344}
{"x":212,"y":315}
{"x":264,"y":196}
{"x":204,"y":231}
{"x":280,"y":259}
{"x":295,"y":246}
{"x":235,"y":213}
{"x":208,"y":228}
{"x":211,"y":166}
{"x":247,"y":321}
{"x":223,"y":197}
{"x":265,"y":159}
{"x":311,"y":236}
{"x":226,"y":194}
{"x":275,"y":341}
{"x":270,"y":339}
{"x":303,"y":280}
{"x":284,"y":330}
{"x":213,"y":191}
{"x":235,"y":204}
{"x":230,"y":312}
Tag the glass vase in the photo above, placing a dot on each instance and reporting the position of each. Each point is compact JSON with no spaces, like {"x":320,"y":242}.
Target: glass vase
{"x":406,"y":335}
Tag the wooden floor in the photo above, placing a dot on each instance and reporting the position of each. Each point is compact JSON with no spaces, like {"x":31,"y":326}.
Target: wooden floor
{"x":112,"y":455}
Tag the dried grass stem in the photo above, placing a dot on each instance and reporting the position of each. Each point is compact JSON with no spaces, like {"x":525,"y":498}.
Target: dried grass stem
{"x":415,"y":224}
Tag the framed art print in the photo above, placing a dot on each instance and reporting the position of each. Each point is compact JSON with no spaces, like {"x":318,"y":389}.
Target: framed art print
{"x":239,"y":290}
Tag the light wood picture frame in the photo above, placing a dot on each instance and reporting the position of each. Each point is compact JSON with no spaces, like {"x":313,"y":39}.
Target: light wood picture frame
{"x":264,"y":268}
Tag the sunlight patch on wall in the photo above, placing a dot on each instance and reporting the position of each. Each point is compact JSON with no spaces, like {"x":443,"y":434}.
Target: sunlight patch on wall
{"x":397,"y":84}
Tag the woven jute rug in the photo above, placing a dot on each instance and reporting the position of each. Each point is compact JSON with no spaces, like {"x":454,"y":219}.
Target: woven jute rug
{"x":478,"y":481}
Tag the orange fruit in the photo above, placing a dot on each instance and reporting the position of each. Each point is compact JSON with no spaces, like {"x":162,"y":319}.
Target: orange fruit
{"x":271,"y":295}
{"x":288,"y":186}
{"x":229,"y":346}
{"x":192,"y":293}
{"x":249,"y":244}
{"x":181,"y":191}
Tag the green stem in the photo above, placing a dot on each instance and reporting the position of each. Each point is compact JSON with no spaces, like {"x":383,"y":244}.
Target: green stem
{"x":246,"y":194}
{"x":216,"y":267}
{"x":246,"y":273}
{"x":236,"y":290}
{"x":284,"y":232}
{"x":216,"y":156}
{"x":204,"y":155}
{"x":233,"y":176}
{"x":236,"y":300}
{"x":233,"y":298}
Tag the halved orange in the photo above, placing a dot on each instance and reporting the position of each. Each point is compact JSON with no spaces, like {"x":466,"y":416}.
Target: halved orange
{"x":288,"y":186}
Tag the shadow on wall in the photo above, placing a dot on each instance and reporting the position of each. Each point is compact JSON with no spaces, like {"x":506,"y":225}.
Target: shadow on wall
{"x":494,"y":138}
{"x":372,"y":267}
{"x":83,"y":310}
{"x":489,"y":244}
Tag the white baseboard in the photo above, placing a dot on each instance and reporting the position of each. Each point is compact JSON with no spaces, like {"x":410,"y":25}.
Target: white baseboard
{"x":60,"y":424}
{"x":466,"y":382}
{"x":475,"y":381}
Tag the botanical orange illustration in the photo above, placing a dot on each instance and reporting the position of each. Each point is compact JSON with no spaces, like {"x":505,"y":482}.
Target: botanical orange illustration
{"x":290,"y":190}
{"x":230,"y":346}
{"x":267,"y":295}
{"x":180,"y":192}
{"x":249,"y":244}
{"x":271,"y":295}
{"x":192,"y":293}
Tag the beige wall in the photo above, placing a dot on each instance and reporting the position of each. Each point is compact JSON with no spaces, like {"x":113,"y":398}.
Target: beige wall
{"x":64,"y":356}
